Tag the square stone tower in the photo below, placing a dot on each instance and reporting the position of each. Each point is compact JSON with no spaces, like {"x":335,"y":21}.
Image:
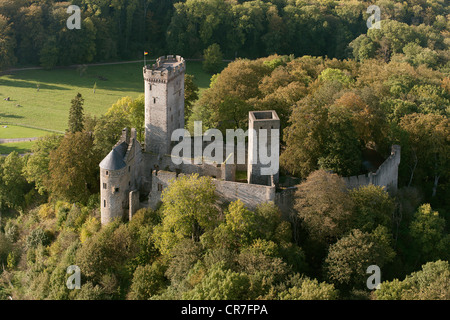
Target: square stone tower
{"x":164,"y":102}
{"x":268,"y":122}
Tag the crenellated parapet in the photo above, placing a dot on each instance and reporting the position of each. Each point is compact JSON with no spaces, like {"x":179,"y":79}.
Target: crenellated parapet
{"x":164,"y":69}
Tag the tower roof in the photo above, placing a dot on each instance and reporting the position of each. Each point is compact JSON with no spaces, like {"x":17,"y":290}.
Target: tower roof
{"x":115,"y":159}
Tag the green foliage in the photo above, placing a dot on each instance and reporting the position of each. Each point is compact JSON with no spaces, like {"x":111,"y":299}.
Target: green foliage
{"x":107,"y":252}
{"x":11,"y":231}
{"x":148,"y":280}
{"x":430,"y":283}
{"x":190,"y":95}
{"x":427,"y":229}
{"x":428,"y":141}
{"x":108,"y":130}
{"x":188,"y":211}
{"x":13,"y":185}
{"x":373,"y":206}
{"x":323,"y":205}
{"x":303,"y":288}
{"x":49,"y":53}
{"x":343,"y":151}
{"x":221,"y":284}
{"x":349,"y":257}
{"x":185,"y":256}
{"x":129,"y":112}
{"x":212,"y":59}
{"x":394,"y":91}
{"x":7,"y":43}
{"x":331,"y":74}
{"x":37,"y":237}
{"x":37,"y":165}
{"x":89,"y":228}
{"x":5,"y":248}
{"x":76,"y":217}
{"x":73,"y":168}
{"x":76,"y":115}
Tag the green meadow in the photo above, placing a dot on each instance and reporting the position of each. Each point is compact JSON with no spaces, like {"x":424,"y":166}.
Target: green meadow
{"x":19,"y":147}
{"x":40,"y":99}
{"x":15,"y":132}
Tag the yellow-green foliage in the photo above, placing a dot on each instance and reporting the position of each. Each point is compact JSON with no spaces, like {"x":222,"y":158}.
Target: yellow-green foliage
{"x":90,"y":227}
{"x":46,"y":211}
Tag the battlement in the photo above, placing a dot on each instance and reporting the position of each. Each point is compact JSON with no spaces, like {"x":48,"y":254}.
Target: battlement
{"x":165,"y":68}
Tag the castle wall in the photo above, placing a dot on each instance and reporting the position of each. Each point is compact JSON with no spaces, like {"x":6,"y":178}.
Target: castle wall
{"x":160,"y":180}
{"x":228,"y":191}
{"x":386,"y":175}
{"x":284,"y":199}
{"x":134,"y":204}
{"x":250,"y":194}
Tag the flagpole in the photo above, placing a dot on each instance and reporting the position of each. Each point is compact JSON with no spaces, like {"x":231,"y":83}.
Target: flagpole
{"x":145,"y":63}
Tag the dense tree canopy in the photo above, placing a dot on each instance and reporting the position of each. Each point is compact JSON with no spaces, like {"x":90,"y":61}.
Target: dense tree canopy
{"x":344,"y":94}
{"x":36,"y":32}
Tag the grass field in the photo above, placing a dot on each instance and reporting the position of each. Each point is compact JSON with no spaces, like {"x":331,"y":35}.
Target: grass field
{"x":48,"y":107}
{"x":14,"y":132}
{"x":19,"y":147}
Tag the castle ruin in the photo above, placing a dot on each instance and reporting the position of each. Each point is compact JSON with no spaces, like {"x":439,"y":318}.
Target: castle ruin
{"x":133,"y":176}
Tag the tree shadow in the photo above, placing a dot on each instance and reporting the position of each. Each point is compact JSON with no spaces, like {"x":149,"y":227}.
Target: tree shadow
{"x":127,"y":77}
{"x":10,"y":116}
{"x":22,"y":83}
{"x":5,"y":149}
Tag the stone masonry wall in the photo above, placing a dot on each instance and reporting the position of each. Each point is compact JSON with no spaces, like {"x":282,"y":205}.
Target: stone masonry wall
{"x":386,"y":175}
{"x":228,"y":191}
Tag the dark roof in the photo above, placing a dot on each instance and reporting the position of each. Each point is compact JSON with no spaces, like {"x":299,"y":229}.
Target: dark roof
{"x":115,"y":159}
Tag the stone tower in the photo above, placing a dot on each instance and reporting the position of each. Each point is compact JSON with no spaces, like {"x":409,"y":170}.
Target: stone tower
{"x":120,"y":175}
{"x":262,"y":121}
{"x":164,"y":102}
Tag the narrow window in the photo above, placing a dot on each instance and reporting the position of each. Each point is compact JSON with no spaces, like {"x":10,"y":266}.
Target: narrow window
{"x":104,"y":203}
{"x":104,"y":186}
{"x":150,"y":87}
{"x":106,"y":172}
{"x":129,"y":168}
{"x":116,"y":190}
{"x":154,"y":100}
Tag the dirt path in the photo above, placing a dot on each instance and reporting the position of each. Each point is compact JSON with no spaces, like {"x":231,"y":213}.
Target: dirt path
{"x":18,"y":140}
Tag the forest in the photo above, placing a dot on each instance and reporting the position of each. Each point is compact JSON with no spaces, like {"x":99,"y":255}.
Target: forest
{"x":35,"y":32}
{"x":340,"y":90}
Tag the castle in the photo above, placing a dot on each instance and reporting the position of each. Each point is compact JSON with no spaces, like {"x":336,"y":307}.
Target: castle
{"x":133,"y":176}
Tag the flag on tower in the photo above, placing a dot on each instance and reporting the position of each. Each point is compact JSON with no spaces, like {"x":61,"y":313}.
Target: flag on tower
{"x":145,"y":53}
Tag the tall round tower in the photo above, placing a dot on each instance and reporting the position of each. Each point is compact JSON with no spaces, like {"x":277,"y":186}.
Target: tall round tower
{"x":113,"y":183}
